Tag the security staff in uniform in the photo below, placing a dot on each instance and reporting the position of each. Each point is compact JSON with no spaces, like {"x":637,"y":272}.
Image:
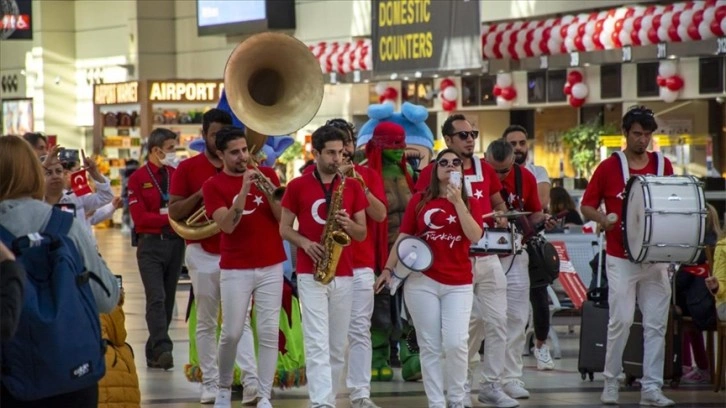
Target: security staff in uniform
{"x":160,"y":251}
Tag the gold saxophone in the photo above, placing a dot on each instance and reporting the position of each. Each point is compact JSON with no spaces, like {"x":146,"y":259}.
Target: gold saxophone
{"x":334,"y":239}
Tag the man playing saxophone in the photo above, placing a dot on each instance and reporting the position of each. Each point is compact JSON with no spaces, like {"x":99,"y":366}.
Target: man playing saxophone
{"x":320,"y":204}
{"x":202,"y":259}
{"x":251,"y":261}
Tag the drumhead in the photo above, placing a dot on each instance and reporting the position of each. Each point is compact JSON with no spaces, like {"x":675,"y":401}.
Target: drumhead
{"x":635,"y":223}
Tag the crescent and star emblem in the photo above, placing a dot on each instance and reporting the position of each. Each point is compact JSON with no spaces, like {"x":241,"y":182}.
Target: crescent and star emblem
{"x":257,"y":201}
{"x":79,"y":179}
{"x":315,"y":211}
{"x":427,"y":218}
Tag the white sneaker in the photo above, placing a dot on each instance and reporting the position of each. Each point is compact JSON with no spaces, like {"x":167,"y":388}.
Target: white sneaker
{"x":264,"y":403}
{"x":492,"y":395}
{"x":459,"y":404}
{"x":467,"y":393}
{"x":515,"y":389}
{"x":655,"y":398}
{"x":610,"y":392}
{"x":209,"y":392}
{"x":223,"y":399}
{"x":544,"y":360}
{"x":249,"y":395}
{"x":363,"y":403}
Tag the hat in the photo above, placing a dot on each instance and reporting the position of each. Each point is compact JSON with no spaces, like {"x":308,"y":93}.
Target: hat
{"x":388,"y":135}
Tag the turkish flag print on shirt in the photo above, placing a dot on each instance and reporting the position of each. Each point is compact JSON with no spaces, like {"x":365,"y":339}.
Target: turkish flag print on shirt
{"x":79,"y":183}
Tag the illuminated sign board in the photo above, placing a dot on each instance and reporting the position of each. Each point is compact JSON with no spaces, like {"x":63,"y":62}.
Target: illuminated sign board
{"x":185,"y":91}
{"x":111,"y":94}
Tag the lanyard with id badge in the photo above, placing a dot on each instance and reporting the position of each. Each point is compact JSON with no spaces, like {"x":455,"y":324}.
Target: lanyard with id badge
{"x":164,"y":193}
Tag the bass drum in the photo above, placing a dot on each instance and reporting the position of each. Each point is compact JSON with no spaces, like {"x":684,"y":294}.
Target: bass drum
{"x":664,"y":219}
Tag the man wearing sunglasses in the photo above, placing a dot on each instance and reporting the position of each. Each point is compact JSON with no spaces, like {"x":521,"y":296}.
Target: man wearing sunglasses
{"x":489,"y":311}
{"x":626,"y":280}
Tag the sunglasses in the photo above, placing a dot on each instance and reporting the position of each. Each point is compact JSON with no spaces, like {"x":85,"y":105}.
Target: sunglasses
{"x":463,"y":135}
{"x":446,"y":162}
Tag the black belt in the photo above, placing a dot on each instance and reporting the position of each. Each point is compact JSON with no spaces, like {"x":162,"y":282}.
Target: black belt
{"x":160,"y":237}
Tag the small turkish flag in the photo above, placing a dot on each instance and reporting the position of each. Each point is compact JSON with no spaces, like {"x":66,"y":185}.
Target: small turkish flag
{"x":79,"y":183}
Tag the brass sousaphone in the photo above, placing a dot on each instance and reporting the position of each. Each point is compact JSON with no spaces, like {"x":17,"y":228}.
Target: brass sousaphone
{"x":274,"y":85}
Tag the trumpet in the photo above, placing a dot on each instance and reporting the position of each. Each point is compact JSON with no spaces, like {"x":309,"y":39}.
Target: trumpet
{"x":265,"y":185}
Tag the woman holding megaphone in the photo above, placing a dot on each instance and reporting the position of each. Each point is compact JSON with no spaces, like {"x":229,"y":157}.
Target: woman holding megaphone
{"x":443,"y":221}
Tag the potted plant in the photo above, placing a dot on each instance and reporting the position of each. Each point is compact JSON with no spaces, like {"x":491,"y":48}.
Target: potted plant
{"x":583,"y":142}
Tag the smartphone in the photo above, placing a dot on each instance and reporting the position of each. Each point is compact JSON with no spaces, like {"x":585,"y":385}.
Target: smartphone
{"x":455,"y":179}
{"x":68,"y":155}
{"x":119,"y":281}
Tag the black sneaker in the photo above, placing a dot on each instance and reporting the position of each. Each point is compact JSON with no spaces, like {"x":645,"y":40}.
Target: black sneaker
{"x":165,"y":361}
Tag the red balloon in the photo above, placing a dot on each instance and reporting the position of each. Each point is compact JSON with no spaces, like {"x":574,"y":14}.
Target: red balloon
{"x":497,"y":91}
{"x":674,"y":83}
{"x":656,"y":22}
{"x":448,"y":106}
{"x":546,"y":33}
{"x":563,"y":30}
{"x":630,"y":13}
{"x":596,"y":41}
{"x":676,"y":19}
{"x":619,"y":24}
{"x":653,"y":35}
{"x":578,"y":43}
{"x":668,"y":8}
{"x":720,"y":13}
{"x":716,"y":28}
{"x":497,"y":53}
{"x":661,"y":80}
{"x":576,"y":102}
{"x":563,"y":48}
{"x":593,"y":17}
{"x":529,"y":36}
{"x":637,"y":23}
{"x":693,"y":32}
{"x":581,"y":29}
{"x":381,"y":99}
{"x":567,"y":89}
{"x":513,"y":36}
{"x":634,"y":37}
{"x":528,"y":48}
{"x":698,"y":17}
{"x":709,"y":3}
{"x":616,"y":39}
{"x":509,"y":93}
{"x":673,"y":33}
{"x":390,"y":93}
{"x":445,"y":83}
{"x":544,"y":47}
{"x":598,"y":25}
{"x":611,"y":13}
{"x":574,"y":77}
{"x":499,"y":36}
{"x":689,"y":5}
{"x":512,"y":51}
{"x":649,"y":10}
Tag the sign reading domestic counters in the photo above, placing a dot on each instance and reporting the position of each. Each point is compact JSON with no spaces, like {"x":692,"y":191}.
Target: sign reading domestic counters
{"x":424,"y":35}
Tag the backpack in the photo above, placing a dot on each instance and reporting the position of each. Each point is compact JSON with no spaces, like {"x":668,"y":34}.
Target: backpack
{"x":58,"y":347}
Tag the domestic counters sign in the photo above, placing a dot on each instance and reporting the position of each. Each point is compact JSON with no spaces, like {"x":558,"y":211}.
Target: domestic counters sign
{"x":425,"y":35}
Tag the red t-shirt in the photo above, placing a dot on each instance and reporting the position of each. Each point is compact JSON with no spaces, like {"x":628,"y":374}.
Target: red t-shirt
{"x":145,"y":199}
{"x":256,"y":241}
{"x":530,"y":195}
{"x":607,"y":185}
{"x":364,"y":255}
{"x":188,"y":179}
{"x":305,"y":198}
{"x":479,"y":190}
{"x":438,"y":224}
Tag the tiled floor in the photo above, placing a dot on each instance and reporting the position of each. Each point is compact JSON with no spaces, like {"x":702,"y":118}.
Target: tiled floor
{"x":560,"y":388}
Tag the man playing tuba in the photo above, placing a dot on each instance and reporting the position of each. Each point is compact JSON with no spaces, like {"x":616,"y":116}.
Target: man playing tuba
{"x":326,"y":307}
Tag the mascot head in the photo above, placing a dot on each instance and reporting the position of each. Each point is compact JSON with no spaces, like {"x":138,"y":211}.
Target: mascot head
{"x":419,"y":139}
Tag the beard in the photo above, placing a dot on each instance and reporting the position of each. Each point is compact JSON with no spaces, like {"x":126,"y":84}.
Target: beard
{"x":520,"y":158}
{"x":238,"y":168}
{"x":467,"y":155}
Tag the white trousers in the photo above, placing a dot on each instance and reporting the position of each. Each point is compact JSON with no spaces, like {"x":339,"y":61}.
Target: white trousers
{"x":204,"y":271}
{"x":441,"y":316}
{"x":326,"y":311}
{"x":360,"y":351}
{"x":516,"y":268}
{"x":650,"y":285}
{"x":237,"y":287}
{"x":488,"y":319}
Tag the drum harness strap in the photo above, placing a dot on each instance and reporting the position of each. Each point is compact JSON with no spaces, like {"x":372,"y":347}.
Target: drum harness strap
{"x":626,"y":170}
{"x":518,"y":192}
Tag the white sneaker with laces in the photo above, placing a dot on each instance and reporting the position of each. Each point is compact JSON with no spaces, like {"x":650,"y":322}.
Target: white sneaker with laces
{"x":610,"y":392}
{"x":544,"y":360}
{"x":209,"y":393}
{"x":223,"y":399}
{"x":264,"y":403}
{"x":363,"y":403}
{"x":492,"y":395}
{"x":515,"y":389}
{"x":249,"y":395}
{"x":655,"y":398}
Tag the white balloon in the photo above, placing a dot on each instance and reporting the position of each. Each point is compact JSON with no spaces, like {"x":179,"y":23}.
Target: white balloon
{"x":503,"y":103}
{"x":588,"y":42}
{"x":663,"y":34}
{"x":503,"y":49}
{"x":450,"y":94}
{"x":537,"y":37}
{"x":628,"y":25}
{"x":549,"y":22}
{"x":579,"y":90}
{"x":698,"y":5}
{"x":568,"y":19}
{"x":590,"y":28}
{"x":679,"y":6}
{"x":625,"y":37}
{"x":555,"y":33}
{"x":620,"y":12}
{"x":709,"y":14}
{"x":667,"y":95}
{"x":686,"y":19}
{"x":602,"y":15}
{"x":723,"y":25}
{"x":554,"y":46}
{"x":667,"y":69}
{"x":704,"y":29}
{"x":639,"y":11}
{"x":606,"y":40}
{"x":380,"y":88}
{"x":683,"y":32}
{"x":518,"y":25}
{"x":646,"y":23}
{"x":643,"y":36}
{"x":504,"y":80}
{"x":570,"y":44}
{"x":519,"y":49}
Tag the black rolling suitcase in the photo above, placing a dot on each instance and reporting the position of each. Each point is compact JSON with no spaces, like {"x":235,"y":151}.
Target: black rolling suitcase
{"x":594,"y":326}
{"x":633,"y":353}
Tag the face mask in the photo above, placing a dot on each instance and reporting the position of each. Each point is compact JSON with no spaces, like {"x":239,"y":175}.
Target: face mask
{"x":171,"y":160}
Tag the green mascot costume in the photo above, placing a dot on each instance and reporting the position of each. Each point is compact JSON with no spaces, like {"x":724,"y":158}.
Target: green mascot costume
{"x":388,"y":138}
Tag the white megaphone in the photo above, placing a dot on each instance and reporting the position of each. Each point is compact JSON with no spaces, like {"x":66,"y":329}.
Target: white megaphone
{"x":414,"y":255}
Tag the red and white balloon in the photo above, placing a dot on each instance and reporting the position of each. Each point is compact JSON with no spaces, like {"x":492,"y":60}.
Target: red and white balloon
{"x":386,"y":94}
{"x":448,"y":94}
{"x":504,"y":90}
{"x":669,"y":81}
{"x":576,"y":89}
